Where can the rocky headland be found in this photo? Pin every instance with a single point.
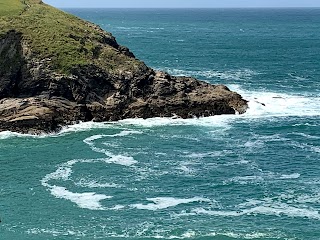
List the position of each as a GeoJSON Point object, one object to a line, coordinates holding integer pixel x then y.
{"type": "Point", "coordinates": [56, 70]}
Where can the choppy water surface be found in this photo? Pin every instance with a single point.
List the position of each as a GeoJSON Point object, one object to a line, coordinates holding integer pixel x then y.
{"type": "Point", "coordinates": [253, 176]}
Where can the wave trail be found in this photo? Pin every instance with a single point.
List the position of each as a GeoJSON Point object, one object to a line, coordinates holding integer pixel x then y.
{"type": "Point", "coordinates": [88, 200]}
{"type": "Point", "coordinates": [166, 202]}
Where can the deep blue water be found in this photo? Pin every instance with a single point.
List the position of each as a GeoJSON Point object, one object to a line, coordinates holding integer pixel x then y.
{"type": "Point", "coordinates": [254, 176]}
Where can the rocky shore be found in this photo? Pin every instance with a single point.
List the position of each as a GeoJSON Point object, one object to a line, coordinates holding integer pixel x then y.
{"type": "Point", "coordinates": [102, 81]}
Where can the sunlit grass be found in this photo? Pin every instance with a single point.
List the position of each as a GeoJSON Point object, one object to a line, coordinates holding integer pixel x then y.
{"type": "Point", "coordinates": [11, 7]}
{"type": "Point", "coordinates": [65, 39]}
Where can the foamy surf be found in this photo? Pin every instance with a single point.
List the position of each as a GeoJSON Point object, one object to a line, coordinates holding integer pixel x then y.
{"type": "Point", "coordinates": [264, 104]}
{"type": "Point", "coordinates": [221, 121]}
{"type": "Point", "coordinates": [116, 159]}
{"type": "Point", "coordinates": [290, 176]}
{"type": "Point", "coordinates": [88, 200]}
{"type": "Point", "coordinates": [162, 234]}
{"type": "Point", "coordinates": [85, 126]}
{"type": "Point", "coordinates": [166, 202]}
{"type": "Point", "coordinates": [267, 207]}
{"type": "Point", "coordinates": [8, 134]}
{"type": "Point", "coordinates": [122, 160]}
{"type": "Point", "coordinates": [74, 128]}
{"type": "Point", "coordinates": [262, 177]}
{"type": "Point", "coordinates": [92, 200]}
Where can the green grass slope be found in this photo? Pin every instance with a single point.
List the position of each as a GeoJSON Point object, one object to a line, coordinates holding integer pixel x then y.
{"type": "Point", "coordinates": [11, 7]}
{"type": "Point", "coordinates": [65, 39]}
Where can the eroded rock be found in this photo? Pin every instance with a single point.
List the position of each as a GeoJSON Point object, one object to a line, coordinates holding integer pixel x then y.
{"type": "Point", "coordinates": [36, 97]}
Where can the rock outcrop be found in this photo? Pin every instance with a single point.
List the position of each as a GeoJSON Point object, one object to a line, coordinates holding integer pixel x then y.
{"type": "Point", "coordinates": [38, 94]}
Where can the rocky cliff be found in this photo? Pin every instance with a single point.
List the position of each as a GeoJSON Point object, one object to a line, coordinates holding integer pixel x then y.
{"type": "Point", "coordinates": [56, 69]}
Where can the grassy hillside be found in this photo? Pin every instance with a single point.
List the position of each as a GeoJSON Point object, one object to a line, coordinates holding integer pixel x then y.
{"type": "Point", "coordinates": [65, 39]}
{"type": "Point", "coordinates": [11, 7]}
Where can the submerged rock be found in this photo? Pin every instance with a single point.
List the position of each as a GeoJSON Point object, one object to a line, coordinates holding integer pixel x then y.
{"type": "Point", "coordinates": [88, 76]}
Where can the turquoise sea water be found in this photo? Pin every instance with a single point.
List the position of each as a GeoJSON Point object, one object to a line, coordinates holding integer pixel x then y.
{"type": "Point", "coordinates": [254, 176]}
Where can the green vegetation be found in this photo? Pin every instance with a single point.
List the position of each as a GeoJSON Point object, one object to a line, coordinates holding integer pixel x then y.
{"type": "Point", "coordinates": [65, 39]}
{"type": "Point", "coordinates": [11, 7]}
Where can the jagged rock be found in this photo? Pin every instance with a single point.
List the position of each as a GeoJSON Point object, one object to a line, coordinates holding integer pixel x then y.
{"type": "Point", "coordinates": [37, 95]}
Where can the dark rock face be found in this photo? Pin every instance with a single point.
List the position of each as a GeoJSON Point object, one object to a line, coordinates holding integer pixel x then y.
{"type": "Point", "coordinates": [11, 63]}
{"type": "Point", "coordinates": [34, 98]}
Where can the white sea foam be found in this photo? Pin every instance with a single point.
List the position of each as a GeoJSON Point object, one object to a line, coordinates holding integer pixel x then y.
{"type": "Point", "coordinates": [166, 202]}
{"type": "Point", "coordinates": [290, 176]}
{"type": "Point", "coordinates": [85, 126]}
{"type": "Point", "coordinates": [234, 235]}
{"type": "Point", "coordinates": [159, 234]}
{"type": "Point", "coordinates": [55, 232]}
{"type": "Point", "coordinates": [79, 127]}
{"type": "Point", "coordinates": [254, 144]}
{"type": "Point", "coordinates": [90, 139]}
{"type": "Point", "coordinates": [261, 177]}
{"type": "Point", "coordinates": [304, 124]}
{"type": "Point", "coordinates": [189, 234]}
{"type": "Point", "coordinates": [121, 160]}
{"type": "Point", "coordinates": [261, 207]}
{"type": "Point", "coordinates": [186, 169]}
{"type": "Point", "coordinates": [277, 210]}
{"type": "Point", "coordinates": [253, 235]}
{"type": "Point", "coordinates": [116, 159]}
{"type": "Point", "coordinates": [96, 184]}
{"type": "Point", "coordinates": [213, 121]}
{"type": "Point", "coordinates": [7, 135]}
{"type": "Point", "coordinates": [224, 75]}
{"type": "Point", "coordinates": [284, 209]}
{"type": "Point", "coordinates": [245, 179]}
{"type": "Point", "coordinates": [117, 207]}
{"type": "Point", "coordinates": [125, 133]}
{"type": "Point", "coordinates": [272, 104]}
{"type": "Point", "coordinates": [315, 149]}
{"type": "Point", "coordinates": [261, 104]}
{"type": "Point", "coordinates": [89, 200]}
{"type": "Point", "coordinates": [207, 154]}
{"type": "Point", "coordinates": [62, 173]}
